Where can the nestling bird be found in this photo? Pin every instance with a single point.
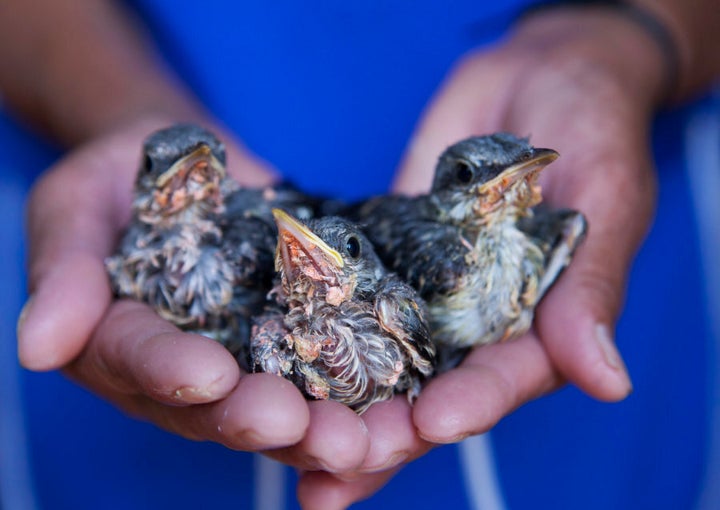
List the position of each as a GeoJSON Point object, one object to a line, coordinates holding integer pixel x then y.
{"type": "Point", "coordinates": [342, 327]}
{"type": "Point", "coordinates": [199, 248]}
{"type": "Point", "coordinates": [478, 248]}
{"type": "Point", "coordinates": [249, 242]}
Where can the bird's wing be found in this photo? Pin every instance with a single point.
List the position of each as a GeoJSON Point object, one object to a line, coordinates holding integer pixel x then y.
{"type": "Point", "coordinates": [259, 202]}
{"type": "Point", "coordinates": [249, 243]}
{"type": "Point", "coordinates": [269, 350]}
{"type": "Point", "coordinates": [381, 218]}
{"type": "Point", "coordinates": [557, 233]}
{"type": "Point", "coordinates": [402, 314]}
{"type": "Point", "coordinates": [409, 239]}
{"type": "Point", "coordinates": [432, 257]}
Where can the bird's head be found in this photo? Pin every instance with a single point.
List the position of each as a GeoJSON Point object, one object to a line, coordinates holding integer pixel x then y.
{"type": "Point", "coordinates": [329, 257]}
{"type": "Point", "coordinates": [181, 165]}
{"type": "Point", "coordinates": [485, 174]}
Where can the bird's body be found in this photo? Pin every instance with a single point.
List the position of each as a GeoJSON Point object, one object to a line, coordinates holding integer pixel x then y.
{"type": "Point", "coordinates": [171, 255]}
{"type": "Point", "coordinates": [199, 248]}
{"type": "Point", "coordinates": [250, 238]}
{"type": "Point", "coordinates": [343, 327]}
{"type": "Point", "coordinates": [475, 247]}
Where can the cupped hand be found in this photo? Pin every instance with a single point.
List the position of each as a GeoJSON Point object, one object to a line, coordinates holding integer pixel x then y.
{"type": "Point", "coordinates": [584, 82]}
{"type": "Point", "coordinates": [124, 352]}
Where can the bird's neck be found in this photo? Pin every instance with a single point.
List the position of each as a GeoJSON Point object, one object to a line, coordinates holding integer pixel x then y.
{"type": "Point", "coordinates": [194, 212]}
{"type": "Point", "coordinates": [310, 293]}
{"type": "Point", "coordinates": [465, 214]}
{"type": "Point", "coordinates": [485, 210]}
{"type": "Point", "coordinates": [495, 229]}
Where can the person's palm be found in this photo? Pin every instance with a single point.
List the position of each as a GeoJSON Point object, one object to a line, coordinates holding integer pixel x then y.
{"type": "Point", "coordinates": [555, 88]}
{"type": "Point", "coordinates": [123, 351]}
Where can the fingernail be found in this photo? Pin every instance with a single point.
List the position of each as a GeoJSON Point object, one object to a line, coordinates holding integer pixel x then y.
{"type": "Point", "coordinates": [320, 465]}
{"type": "Point", "coordinates": [348, 477]}
{"type": "Point", "coordinates": [607, 345]}
{"type": "Point", "coordinates": [445, 440]}
{"type": "Point", "coordinates": [199, 395]}
{"type": "Point", "coordinates": [394, 460]}
{"type": "Point", "coordinates": [189, 394]}
{"type": "Point", "coordinates": [612, 357]}
{"type": "Point", "coordinates": [245, 439]}
{"type": "Point", "coordinates": [22, 317]}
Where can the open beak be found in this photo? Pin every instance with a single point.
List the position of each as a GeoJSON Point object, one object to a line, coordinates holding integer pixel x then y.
{"type": "Point", "coordinates": [524, 170]}
{"type": "Point", "coordinates": [301, 251]}
{"type": "Point", "coordinates": [201, 158]}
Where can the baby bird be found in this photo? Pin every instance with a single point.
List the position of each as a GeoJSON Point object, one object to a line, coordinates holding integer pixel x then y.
{"type": "Point", "coordinates": [477, 247]}
{"type": "Point", "coordinates": [171, 255]}
{"type": "Point", "coordinates": [341, 327]}
{"type": "Point", "coordinates": [199, 248]}
{"type": "Point", "coordinates": [250, 238]}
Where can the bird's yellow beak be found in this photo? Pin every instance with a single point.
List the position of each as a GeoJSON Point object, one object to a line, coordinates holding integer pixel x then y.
{"type": "Point", "coordinates": [527, 169]}
{"type": "Point", "coordinates": [299, 248]}
{"type": "Point", "coordinates": [200, 158]}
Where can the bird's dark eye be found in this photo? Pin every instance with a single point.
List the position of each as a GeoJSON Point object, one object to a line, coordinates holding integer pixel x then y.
{"type": "Point", "coordinates": [526, 156]}
{"type": "Point", "coordinates": [352, 247]}
{"type": "Point", "coordinates": [147, 164]}
{"type": "Point", "coordinates": [464, 172]}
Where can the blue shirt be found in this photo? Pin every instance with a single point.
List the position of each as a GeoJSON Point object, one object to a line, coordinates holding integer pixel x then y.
{"type": "Point", "coordinates": [329, 94]}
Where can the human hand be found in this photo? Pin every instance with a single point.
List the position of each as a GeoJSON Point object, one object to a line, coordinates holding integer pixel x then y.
{"type": "Point", "coordinates": [584, 82]}
{"type": "Point", "coordinates": [125, 352]}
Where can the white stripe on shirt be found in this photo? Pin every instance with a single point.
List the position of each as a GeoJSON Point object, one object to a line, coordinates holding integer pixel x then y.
{"type": "Point", "coordinates": [479, 473]}
{"type": "Point", "coordinates": [702, 145]}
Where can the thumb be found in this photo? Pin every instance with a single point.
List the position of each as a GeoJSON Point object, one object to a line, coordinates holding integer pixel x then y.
{"type": "Point", "coordinates": [70, 231]}
{"type": "Point", "coordinates": [75, 214]}
{"type": "Point", "coordinates": [576, 319]}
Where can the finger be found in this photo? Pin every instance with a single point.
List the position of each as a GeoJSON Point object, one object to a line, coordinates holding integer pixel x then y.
{"type": "Point", "coordinates": [576, 319]}
{"type": "Point", "coordinates": [134, 350]}
{"type": "Point", "coordinates": [388, 438]}
{"type": "Point", "coordinates": [394, 438]}
{"type": "Point", "coordinates": [71, 226]}
{"type": "Point", "coordinates": [146, 366]}
{"type": "Point", "coordinates": [262, 412]}
{"type": "Point", "coordinates": [323, 491]}
{"type": "Point", "coordinates": [490, 382]}
{"type": "Point", "coordinates": [186, 383]}
{"type": "Point", "coordinates": [336, 441]}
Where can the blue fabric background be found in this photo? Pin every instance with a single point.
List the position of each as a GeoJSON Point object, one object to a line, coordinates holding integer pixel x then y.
{"type": "Point", "coordinates": [329, 93]}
